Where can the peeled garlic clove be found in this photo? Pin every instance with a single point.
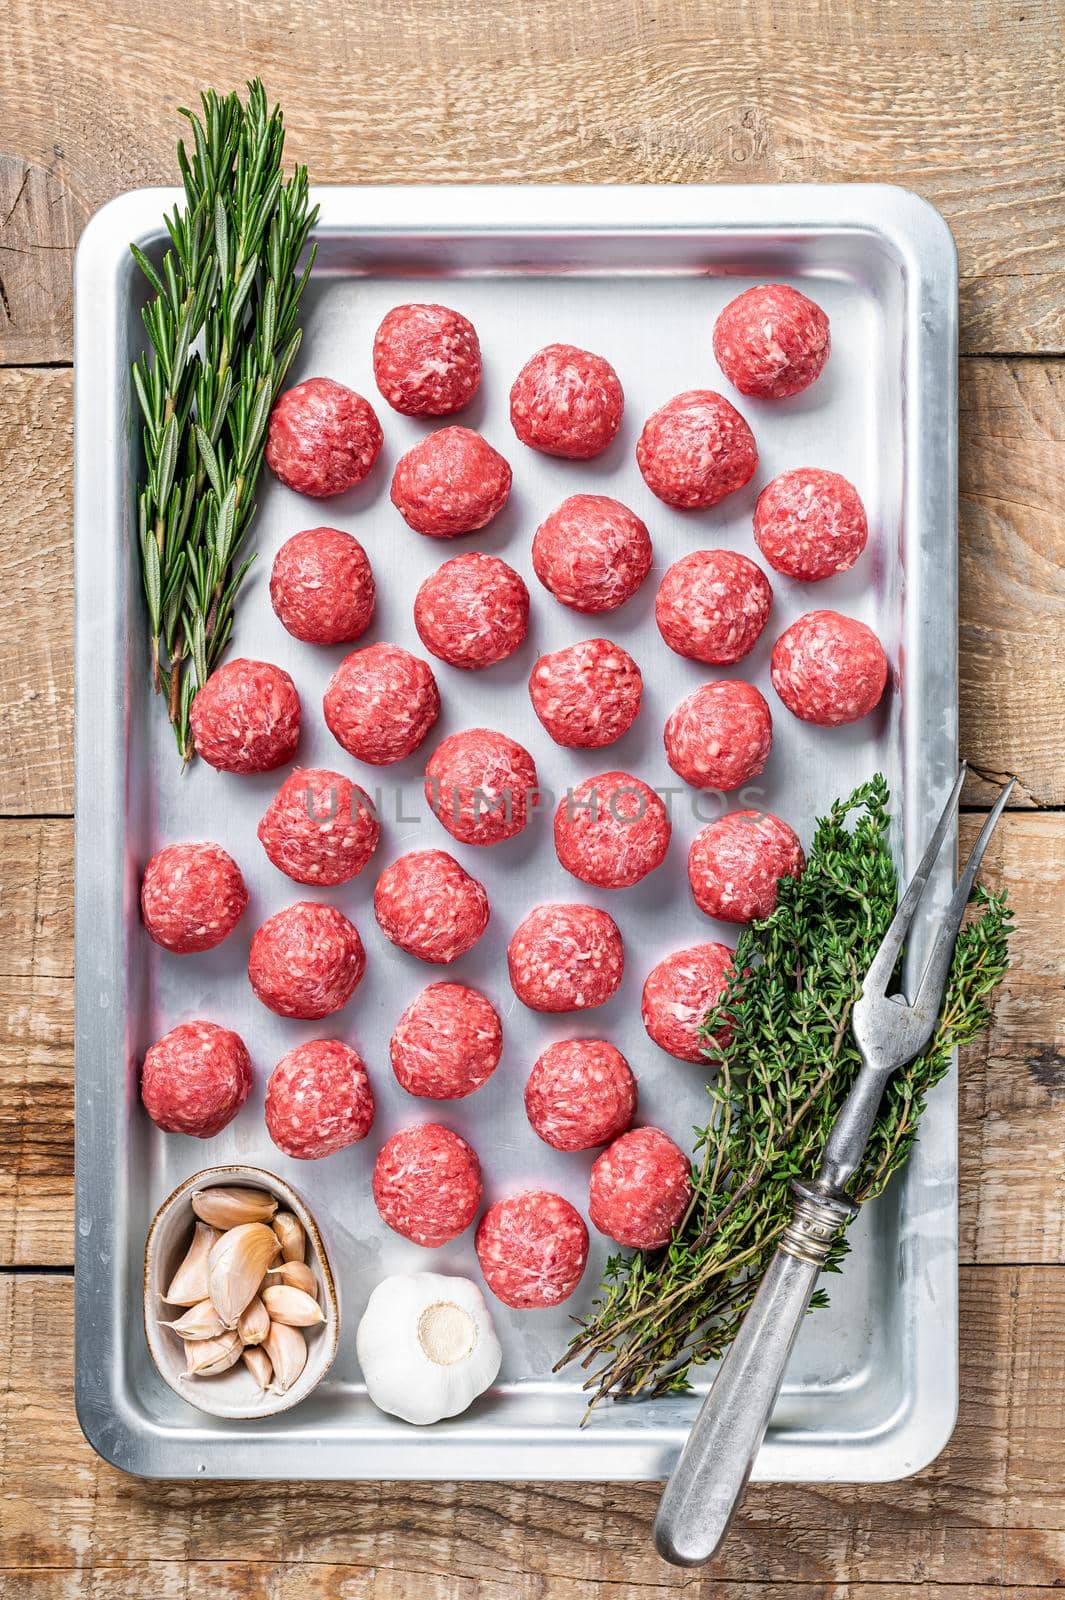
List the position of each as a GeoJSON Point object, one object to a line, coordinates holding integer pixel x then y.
{"type": "Point", "coordinates": [199, 1322]}
{"type": "Point", "coordinates": [258, 1364]}
{"type": "Point", "coordinates": [228, 1208]}
{"type": "Point", "coordinates": [287, 1349]}
{"type": "Point", "coordinates": [292, 1306]}
{"type": "Point", "coordinates": [206, 1358]}
{"type": "Point", "coordinates": [298, 1274]}
{"type": "Point", "coordinates": [236, 1267]}
{"type": "Point", "coordinates": [253, 1324]}
{"type": "Point", "coordinates": [188, 1286]}
{"type": "Point", "coordinates": [290, 1232]}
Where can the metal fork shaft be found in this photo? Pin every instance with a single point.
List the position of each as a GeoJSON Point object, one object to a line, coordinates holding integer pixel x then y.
{"type": "Point", "coordinates": [708, 1481]}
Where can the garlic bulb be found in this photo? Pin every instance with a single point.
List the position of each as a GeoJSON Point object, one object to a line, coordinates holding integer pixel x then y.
{"type": "Point", "coordinates": [427, 1346]}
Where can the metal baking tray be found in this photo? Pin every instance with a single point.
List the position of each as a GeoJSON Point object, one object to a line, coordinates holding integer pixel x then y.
{"type": "Point", "coordinates": [639, 274]}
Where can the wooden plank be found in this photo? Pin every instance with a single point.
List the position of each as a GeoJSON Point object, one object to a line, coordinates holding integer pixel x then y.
{"type": "Point", "coordinates": [1012, 584]}
{"type": "Point", "coordinates": [691, 92]}
{"type": "Point", "coordinates": [40, 220]}
{"type": "Point", "coordinates": [36, 593]}
{"type": "Point", "coordinates": [1012, 1082]}
{"type": "Point", "coordinates": [989, 1513]}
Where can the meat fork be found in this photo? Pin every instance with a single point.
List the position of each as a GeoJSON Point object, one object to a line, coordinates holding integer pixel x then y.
{"type": "Point", "coordinates": [710, 1478]}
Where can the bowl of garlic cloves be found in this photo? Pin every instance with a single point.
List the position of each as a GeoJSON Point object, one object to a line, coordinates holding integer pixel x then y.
{"type": "Point", "coordinates": [240, 1307]}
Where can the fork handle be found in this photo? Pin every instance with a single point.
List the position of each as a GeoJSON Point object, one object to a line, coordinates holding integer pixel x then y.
{"type": "Point", "coordinates": [708, 1481]}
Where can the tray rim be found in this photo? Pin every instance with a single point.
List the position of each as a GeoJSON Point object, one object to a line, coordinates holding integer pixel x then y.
{"type": "Point", "coordinates": [921, 241]}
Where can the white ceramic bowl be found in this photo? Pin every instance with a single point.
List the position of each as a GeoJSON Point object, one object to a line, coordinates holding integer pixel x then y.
{"type": "Point", "coordinates": [234, 1393]}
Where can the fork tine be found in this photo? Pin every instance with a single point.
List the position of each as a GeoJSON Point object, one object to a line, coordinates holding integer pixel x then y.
{"type": "Point", "coordinates": [934, 980]}
{"type": "Point", "coordinates": [883, 963]}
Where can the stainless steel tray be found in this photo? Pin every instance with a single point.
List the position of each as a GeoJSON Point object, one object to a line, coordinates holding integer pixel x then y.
{"type": "Point", "coordinates": [639, 274]}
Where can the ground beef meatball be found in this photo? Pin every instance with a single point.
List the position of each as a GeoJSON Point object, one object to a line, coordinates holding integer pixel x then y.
{"type": "Point", "coordinates": [810, 524]}
{"type": "Point", "coordinates": [192, 897]}
{"type": "Point", "coordinates": [587, 694]}
{"type": "Point", "coordinates": [320, 827]}
{"type": "Point", "coordinates": [380, 703]}
{"type": "Point", "coordinates": [829, 669]}
{"type": "Point", "coordinates": [318, 1100]}
{"type": "Point", "coordinates": [447, 1043]}
{"type": "Point", "coordinates": [566, 958]}
{"type": "Point", "coordinates": [712, 606]}
{"type": "Point", "coordinates": [533, 1249]}
{"type": "Point", "coordinates": [246, 718]}
{"type": "Point", "coordinates": [306, 961]}
{"type": "Point", "coordinates": [639, 1189]}
{"type": "Point", "coordinates": [735, 862]}
{"type": "Point", "coordinates": [612, 830]}
{"type": "Point", "coordinates": [581, 1093]}
{"type": "Point", "coordinates": [427, 1184]}
{"type": "Point", "coordinates": [593, 553]}
{"type": "Point", "coordinates": [451, 482]}
{"type": "Point", "coordinates": [771, 341]}
{"type": "Point", "coordinates": [473, 611]}
{"type": "Point", "coordinates": [321, 587]}
{"type": "Point", "coordinates": [428, 905]}
{"type": "Point", "coordinates": [679, 993]}
{"type": "Point", "coordinates": [566, 402]}
{"type": "Point", "coordinates": [426, 360]}
{"type": "Point", "coordinates": [195, 1079]}
{"type": "Point", "coordinates": [695, 450]}
{"type": "Point", "coordinates": [322, 438]}
{"type": "Point", "coordinates": [481, 785]}
{"type": "Point", "coordinates": [720, 736]}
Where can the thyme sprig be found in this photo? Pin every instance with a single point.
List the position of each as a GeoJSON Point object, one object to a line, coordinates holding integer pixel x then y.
{"type": "Point", "coordinates": [222, 332]}
{"type": "Point", "coordinates": [778, 1086]}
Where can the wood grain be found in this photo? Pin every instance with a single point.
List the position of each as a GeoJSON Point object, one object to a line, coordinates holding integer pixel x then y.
{"type": "Point", "coordinates": [625, 91]}
{"type": "Point", "coordinates": [1012, 1081]}
{"type": "Point", "coordinates": [39, 226]}
{"type": "Point", "coordinates": [988, 1514]}
{"type": "Point", "coordinates": [1012, 631]}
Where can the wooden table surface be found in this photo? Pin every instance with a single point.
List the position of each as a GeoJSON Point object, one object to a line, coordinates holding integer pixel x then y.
{"type": "Point", "coordinates": [960, 100]}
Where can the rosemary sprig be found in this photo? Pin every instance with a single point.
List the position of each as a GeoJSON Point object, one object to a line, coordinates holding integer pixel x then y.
{"type": "Point", "coordinates": [779, 1085]}
{"type": "Point", "coordinates": [222, 332]}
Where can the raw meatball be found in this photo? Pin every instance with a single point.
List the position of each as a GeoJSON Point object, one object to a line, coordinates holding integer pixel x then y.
{"type": "Point", "coordinates": [428, 905]}
{"type": "Point", "coordinates": [473, 611]}
{"type": "Point", "coordinates": [734, 864]}
{"type": "Point", "coordinates": [447, 1042]}
{"type": "Point", "coordinates": [810, 524]}
{"type": "Point", "coordinates": [306, 961]}
{"type": "Point", "coordinates": [451, 482]}
{"type": "Point", "coordinates": [678, 995]}
{"type": "Point", "coordinates": [427, 1184]}
{"type": "Point", "coordinates": [593, 553]}
{"type": "Point", "coordinates": [322, 588]}
{"type": "Point", "coordinates": [588, 694]}
{"type": "Point", "coordinates": [566, 402]}
{"type": "Point", "coordinates": [639, 1189]}
{"type": "Point", "coordinates": [566, 958]}
{"type": "Point", "coordinates": [320, 827]}
{"type": "Point", "coordinates": [246, 718]}
{"type": "Point", "coordinates": [322, 438]}
{"type": "Point", "coordinates": [533, 1249]}
{"type": "Point", "coordinates": [195, 1079]}
{"type": "Point", "coordinates": [380, 703]}
{"type": "Point", "coordinates": [580, 1093]}
{"type": "Point", "coordinates": [771, 341]}
{"type": "Point", "coordinates": [426, 360]}
{"type": "Point", "coordinates": [318, 1100]}
{"type": "Point", "coordinates": [712, 606]}
{"type": "Point", "coordinates": [829, 669]}
{"type": "Point", "coordinates": [481, 785]}
{"type": "Point", "coordinates": [612, 830]}
{"type": "Point", "coordinates": [695, 450]}
{"type": "Point", "coordinates": [192, 897]}
{"type": "Point", "coordinates": [720, 736]}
